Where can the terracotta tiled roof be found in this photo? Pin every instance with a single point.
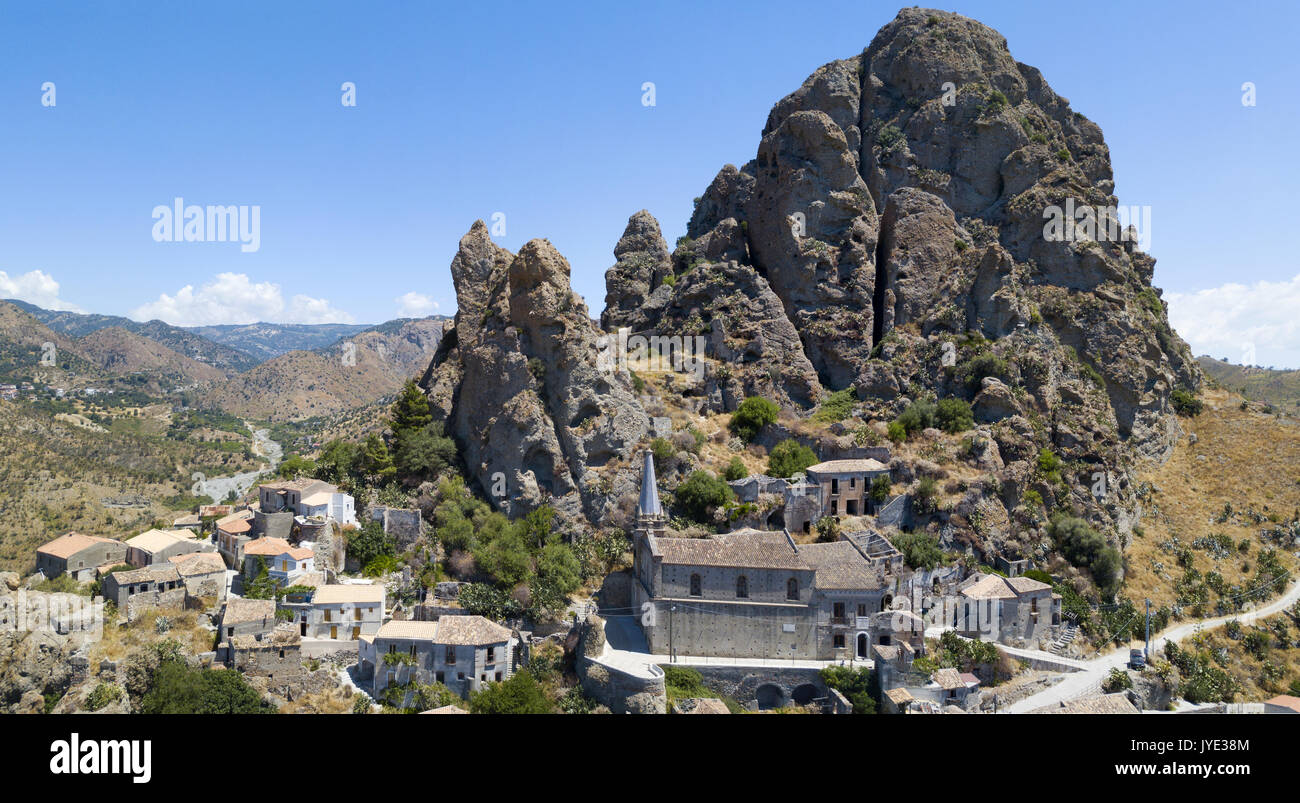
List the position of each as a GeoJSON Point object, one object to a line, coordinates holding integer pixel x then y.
{"type": "Point", "coordinates": [991, 586]}
{"type": "Point", "coordinates": [899, 696]}
{"type": "Point", "coordinates": [840, 565]}
{"type": "Point", "coordinates": [750, 549]}
{"type": "Point", "coordinates": [1117, 703]}
{"type": "Point", "coordinates": [1285, 701]}
{"type": "Point", "coordinates": [274, 547]}
{"type": "Point", "coordinates": [453, 630]}
{"type": "Point", "coordinates": [197, 563]}
{"type": "Point", "coordinates": [65, 546]}
{"type": "Point", "coordinates": [241, 610]}
{"type": "Point", "coordinates": [349, 593]}
{"type": "Point", "coordinates": [847, 466]}
{"type": "Point", "coordinates": [160, 572]}
{"type": "Point", "coordinates": [157, 540]}
{"type": "Point", "coordinates": [236, 526]}
{"type": "Point", "coordinates": [948, 679]}
{"type": "Point", "coordinates": [408, 629]}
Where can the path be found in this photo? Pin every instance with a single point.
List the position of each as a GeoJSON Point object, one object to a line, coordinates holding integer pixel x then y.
{"type": "Point", "coordinates": [1094, 671]}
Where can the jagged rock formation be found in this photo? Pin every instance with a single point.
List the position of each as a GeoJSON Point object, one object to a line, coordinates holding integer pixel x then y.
{"type": "Point", "coordinates": [895, 210]}
{"type": "Point", "coordinates": [518, 382]}
{"type": "Point", "coordinates": [888, 237]}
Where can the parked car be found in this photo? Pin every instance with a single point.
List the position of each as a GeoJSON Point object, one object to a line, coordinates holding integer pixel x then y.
{"type": "Point", "coordinates": [1136, 659]}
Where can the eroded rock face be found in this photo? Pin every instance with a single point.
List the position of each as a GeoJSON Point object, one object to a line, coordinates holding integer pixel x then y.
{"type": "Point", "coordinates": [520, 387]}
{"type": "Point", "coordinates": [643, 262]}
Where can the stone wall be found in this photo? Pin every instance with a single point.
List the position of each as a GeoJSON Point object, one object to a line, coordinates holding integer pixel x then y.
{"type": "Point", "coordinates": [743, 683]}
{"type": "Point", "coordinates": [622, 692]}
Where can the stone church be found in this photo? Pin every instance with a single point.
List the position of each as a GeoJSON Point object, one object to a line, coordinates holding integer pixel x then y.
{"type": "Point", "coordinates": [754, 593]}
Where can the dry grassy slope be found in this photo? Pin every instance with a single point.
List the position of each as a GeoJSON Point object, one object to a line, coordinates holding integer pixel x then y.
{"type": "Point", "coordinates": [22, 340]}
{"type": "Point", "coordinates": [1242, 457]}
{"type": "Point", "coordinates": [1247, 668]}
{"type": "Point", "coordinates": [54, 474]}
{"type": "Point", "coordinates": [115, 350]}
{"type": "Point", "coordinates": [1281, 388]}
{"type": "Point", "coordinates": [304, 384]}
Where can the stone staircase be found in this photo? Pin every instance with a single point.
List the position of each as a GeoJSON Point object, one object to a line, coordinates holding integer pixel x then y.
{"type": "Point", "coordinates": [1064, 640]}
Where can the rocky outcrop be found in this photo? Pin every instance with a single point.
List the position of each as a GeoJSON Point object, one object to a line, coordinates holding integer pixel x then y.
{"type": "Point", "coordinates": [520, 388]}
{"type": "Point", "coordinates": [643, 262]}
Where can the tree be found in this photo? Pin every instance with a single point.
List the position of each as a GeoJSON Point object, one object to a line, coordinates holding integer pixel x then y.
{"type": "Point", "coordinates": [411, 410]}
{"type": "Point", "coordinates": [701, 491]}
{"type": "Point", "coordinates": [920, 550]}
{"type": "Point", "coordinates": [919, 415]}
{"type": "Point", "coordinates": [954, 415]}
{"type": "Point", "coordinates": [178, 689]}
{"type": "Point", "coordinates": [880, 488]}
{"type": "Point", "coordinates": [504, 554]}
{"type": "Point", "coordinates": [1084, 547]}
{"type": "Point", "coordinates": [375, 460]}
{"type": "Point", "coordinates": [296, 466]}
{"type": "Point", "coordinates": [339, 461]}
{"type": "Point", "coordinates": [369, 542]}
{"type": "Point", "coordinates": [789, 457]}
{"type": "Point", "coordinates": [735, 470]}
{"type": "Point", "coordinates": [753, 414]}
{"type": "Point", "coordinates": [423, 452]}
{"type": "Point", "coordinates": [857, 686]}
{"type": "Point", "coordinates": [520, 694]}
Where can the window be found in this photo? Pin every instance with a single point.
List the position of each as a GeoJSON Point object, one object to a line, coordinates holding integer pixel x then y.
{"type": "Point", "coordinates": [792, 589]}
{"type": "Point", "coordinates": [837, 641]}
{"type": "Point", "coordinates": [853, 482]}
{"type": "Point", "coordinates": [357, 612]}
{"type": "Point", "coordinates": [835, 486]}
{"type": "Point", "coordinates": [862, 609]}
{"type": "Point", "coordinates": [835, 507]}
{"type": "Point", "coordinates": [742, 587]}
{"type": "Point", "coordinates": [491, 655]}
{"type": "Point", "coordinates": [837, 612]}
{"type": "Point", "coordinates": [450, 656]}
{"type": "Point", "coordinates": [327, 615]}
{"type": "Point", "coordinates": [696, 590]}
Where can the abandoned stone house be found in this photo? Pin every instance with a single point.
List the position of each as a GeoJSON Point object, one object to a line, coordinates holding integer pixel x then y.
{"type": "Point", "coordinates": [247, 617]}
{"type": "Point", "coordinates": [1012, 610]}
{"type": "Point", "coordinates": [276, 656]}
{"type": "Point", "coordinates": [834, 488]}
{"type": "Point", "coordinates": [203, 573]}
{"type": "Point", "coordinates": [233, 533]}
{"type": "Point", "coordinates": [79, 556]}
{"type": "Point", "coordinates": [157, 546]}
{"type": "Point", "coordinates": [753, 593]}
{"type": "Point", "coordinates": [149, 587]}
{"type": "Point", "coordinates": [461, 652]}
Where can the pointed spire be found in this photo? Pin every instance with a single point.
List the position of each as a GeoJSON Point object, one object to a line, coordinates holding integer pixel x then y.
{"type": "Point", "coordinates": [649, 506]}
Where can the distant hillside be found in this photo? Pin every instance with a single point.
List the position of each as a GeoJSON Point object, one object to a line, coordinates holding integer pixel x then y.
{"type": "Point", "coordinates": [24, 353]}
{"type": "Point", "coordinates": [1281, 388]}
{"type": "Point", "coordinates": [182, 341]}
{"type": "Point", "coordinates": [118, 351]}
{"type": "Point", "coordinates": [333, 380]}
{"type": "Point", "coordinates": [268, 340]}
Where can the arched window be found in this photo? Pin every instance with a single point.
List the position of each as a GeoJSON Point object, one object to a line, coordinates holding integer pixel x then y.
{"type": "Point", "coordinates": [695, 586]}
{"type": "Point", "coordinates": [792, 588]}
{"type": "Point", "coordinates": [742, 587]}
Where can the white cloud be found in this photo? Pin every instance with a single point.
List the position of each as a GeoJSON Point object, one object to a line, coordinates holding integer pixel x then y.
{"type": "Point", "coordinates": [233, 298]}
{"type": "Point", "coordinates": [35, 287]}
{"type": "Point", "coordinates": [415, 305]}
{"type": "Point", "coordinates": [1233, 320]}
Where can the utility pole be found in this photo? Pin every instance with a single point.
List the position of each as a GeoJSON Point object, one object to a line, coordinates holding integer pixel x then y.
{"type": "Point", "coordinates": [672, 653]}
{"type": "Point", "coordinates": [1146, 647]}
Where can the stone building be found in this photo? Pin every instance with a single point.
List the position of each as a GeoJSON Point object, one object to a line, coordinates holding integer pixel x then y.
{"type": "Point", "coordinates": [157, 546]}
{"type": "Point", "coordinates": [341, 612]}
{"type": "Point", "coordinates": [276, 656]}
{"type": "Point", "coordinates": [461, 652]}
{"type": "Point", "coordinates": [78, 556]}
{"type": "Point", "coordinates": [308, 498]}
{"type": "Point", "coordinates": [1012, 610]}
{"type": "Point", "coordinates": [284, 562]}
{"type": "Point", "coordinates": [247, 617]}
{"type": "Point", "coordinates": [835, 488]}
{"type": "Point", "coordinates": [751, 593]}
{"type": "Point", "coordinates": [149, 587]}
{"type": "Point", "coordinates": [204, 575]}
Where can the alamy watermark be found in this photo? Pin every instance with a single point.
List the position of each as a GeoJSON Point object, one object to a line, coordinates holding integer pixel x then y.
{"type": "Point", "coordinates": [52, 613]}
{"type": "Point", "coordinates": [209, 224]}
{"type": "Point", "coordinates": [654, 354]}
{"type": "Point", "coordinates": [1083, 223]}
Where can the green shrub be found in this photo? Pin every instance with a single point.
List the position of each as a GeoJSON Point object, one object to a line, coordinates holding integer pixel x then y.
{"type": "Point", "coordinates": [1084, 547]}
{"type": "Point", "coordinates": [1117, 680]}
{"type": "Point", "coordinates": [880, 488]}
{"type": "Point", "coordinates": [897, 432]}
{"type": "Point", "coordinates": [103, 694]}
{"type": "Point", "coordinates": [920, 550]}
{"type": "Point", "coordinates": [919, 415]}
{"type": "Point", "coordinates": [954, 415]}
{"type": "Point", "coordinates": [1186, 404]}
{"type": "Point", "coordinates": [735, 470]}
{"type": "Point", "coordinates": [789, 457]}
{"type": "Point", "coordinates": [663, 451]}
{"type": "Point", "coordinates": [836, 407]}
{"type": "Point", "coordinates": [753, 414]}
{"type": "Point", "coordinates": [701, 491]}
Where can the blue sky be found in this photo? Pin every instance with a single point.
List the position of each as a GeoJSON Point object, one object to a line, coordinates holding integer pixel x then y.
{"type": "Point", "coordinates": [534, 110]}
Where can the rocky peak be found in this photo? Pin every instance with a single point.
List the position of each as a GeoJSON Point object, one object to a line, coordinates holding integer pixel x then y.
{"type": "Point", "coordinates": [643, 262]}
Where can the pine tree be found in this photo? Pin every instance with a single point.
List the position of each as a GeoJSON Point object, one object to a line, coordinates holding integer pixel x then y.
{"type": "Point", "coordinates": [411, 410]}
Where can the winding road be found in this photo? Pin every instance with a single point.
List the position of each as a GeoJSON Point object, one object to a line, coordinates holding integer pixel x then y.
{"type": "Point", "coordinates": [1088, 680]}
